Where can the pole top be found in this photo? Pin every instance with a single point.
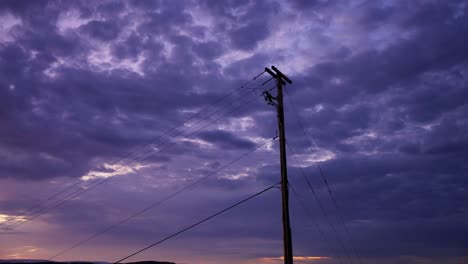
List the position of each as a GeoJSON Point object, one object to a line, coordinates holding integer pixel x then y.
{"type": "Point", "coordinates": [270, 72]}
{"type": "Point", "coordinates": [280, 74]}
{"type": "Point", "coordinates": [274, 75]}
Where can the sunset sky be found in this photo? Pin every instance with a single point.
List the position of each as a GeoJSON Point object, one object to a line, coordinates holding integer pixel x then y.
{"type": "Point", "coordinates": [112, 106]}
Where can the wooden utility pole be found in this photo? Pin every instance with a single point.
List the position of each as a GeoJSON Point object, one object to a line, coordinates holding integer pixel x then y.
{"type": "Point", "coordinates": [278, 103]}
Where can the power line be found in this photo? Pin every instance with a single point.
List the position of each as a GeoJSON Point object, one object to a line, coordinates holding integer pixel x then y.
{"type": "Point", "coordinates": [335, 203]}
{"type": "Point", "coordinates": [317, 226]}
{"type": "Point", "coordinates": [153, 141]}
{"type": "Point", "coordinates": [160, 201]}
{"type": "Point", "coordinates": [17, 217]}
{"type": "Point", "coordinates": [98, 181]}
{"type": "Point", "coordinates": [253, 79]}
{"type": "Point", "coordinates": [198, 122]}
{"type": "Point", "coordinates": [319, 203]}
{"type": "Point", "coordinates": [197, 223]}
{"type": "Point", "coordinates": [135, 150]}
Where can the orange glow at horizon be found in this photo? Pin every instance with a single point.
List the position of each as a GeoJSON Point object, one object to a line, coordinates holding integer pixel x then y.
{"type": "Point", "coordinates": [297, 258]}
{"type": "Point", "coordinates": [22, 252]}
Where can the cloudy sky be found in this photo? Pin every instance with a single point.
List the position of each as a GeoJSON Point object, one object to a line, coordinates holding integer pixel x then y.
{"type": "Point", "coordinates": [109, 107]}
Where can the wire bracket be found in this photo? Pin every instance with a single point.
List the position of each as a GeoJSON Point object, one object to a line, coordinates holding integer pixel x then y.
{"type": "Point", "coordinates": [270, 99]}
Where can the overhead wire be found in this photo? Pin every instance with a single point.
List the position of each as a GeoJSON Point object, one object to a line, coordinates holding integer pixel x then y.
{"type": "Point", "coordinates": [198, 122]}
{"type": "Point", "coordinates": [322, 174]}
{"type": "Point", "coordinates": [87, 188]}
{"type": "Point", "coordinates": [253, 79]}
{"type": "Point", "coordinates": [152, 141]}
{"type": "Point", "coordinates": [316, 224]}
{"type": "Point", "coordinates": [98, 181]}
{"type": "Point", "coordinates": [159, 202]}
{"type": "Point", "coordinates": [322, 209]}
{"type": "Point", "coordinates": [330, 223]}
{"type": "Point", "coordinates": [196, 224]}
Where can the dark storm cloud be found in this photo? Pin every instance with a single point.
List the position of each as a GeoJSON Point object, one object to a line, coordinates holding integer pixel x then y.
{"type": "Point", "coordinates": [132, 47]}
{"type": "Point", "coordinates": [226, 140]}
{"type": "Point", "coordinates": [409, 73]}
{"type": "Point", "coordinates": [247, 37]}
{"type": "Point", "coordinates": [208, 50]}
{"type": "Point", "coordinates": [20, 7]}
{"type": "Point", "coordinates": [84, 90]}
{"type": "Point", "coordinates": [241, 67]}
{"type": "Point", "coordinates": [241, 22]}
{"type": "Point", "coordinates": [301, 4]}
{"type": "Point", "coordinates": [164, 21]}
{"type": "Point", "coordinates": [434, 46]}
{"type": "Point", "coordinates": [102, 30]}
{"type": "Point", "coordinates": [112, 8]}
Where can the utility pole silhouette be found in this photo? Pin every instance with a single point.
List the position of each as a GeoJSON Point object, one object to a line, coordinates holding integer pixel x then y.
{"type": "Point", "coordinates": [278, 103]}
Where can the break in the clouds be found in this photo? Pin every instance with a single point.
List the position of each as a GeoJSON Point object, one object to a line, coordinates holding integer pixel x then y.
{"type": "Point", "coordinates": [90, 91]}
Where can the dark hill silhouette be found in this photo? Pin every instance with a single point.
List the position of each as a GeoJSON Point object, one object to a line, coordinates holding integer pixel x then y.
{"type": "Point", "coordinates": [76, 262]}
{"type": "Point", "coordinates": [150, 262]}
